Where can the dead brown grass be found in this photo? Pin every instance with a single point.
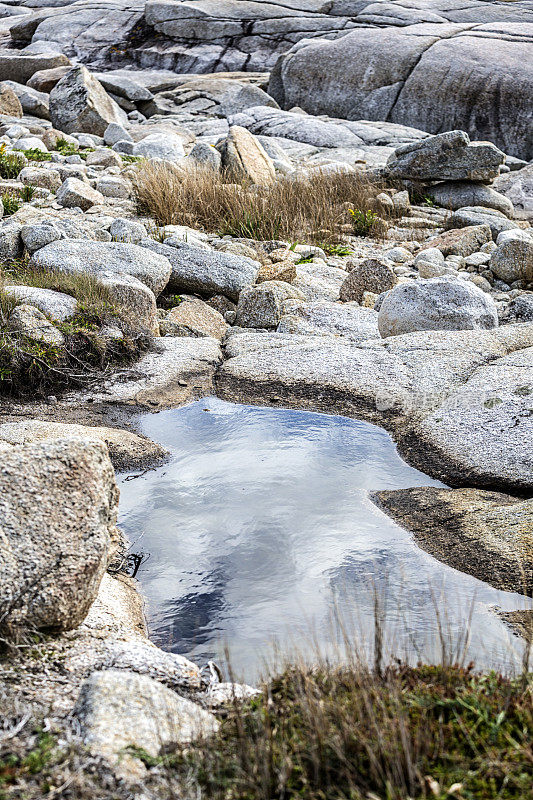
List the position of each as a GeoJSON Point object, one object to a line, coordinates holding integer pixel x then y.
{"type": "Point", "coordinates": [309, 209]}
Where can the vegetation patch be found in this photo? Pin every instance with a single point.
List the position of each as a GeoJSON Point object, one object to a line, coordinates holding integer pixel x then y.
{"type": "Point", "coordinates": [316, 208]}
{"type": "Point", "coordinates": [10, 163]}
{"type": "Point", "coordinates": [31, 367]}
{"type": "Point", "coordinates": [426, 732]}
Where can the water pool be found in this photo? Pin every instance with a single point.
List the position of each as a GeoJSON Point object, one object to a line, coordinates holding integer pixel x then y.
{"type": "Point", "coordinates": [260, 530]}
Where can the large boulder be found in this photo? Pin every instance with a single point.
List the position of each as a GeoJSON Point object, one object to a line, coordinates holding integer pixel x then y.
{"type": "Point", "coordinates": [205, 272]}
{"type": "Point", "coordinates": [461, 241]}
{"type": "Point", "coordinates": [478, 215]}
{"type": "Point", "coordinates": [445, 73]}
{"type": "Point", "coordinates": [31, 323]}
{"type": "Point", "coordinates": [244, 157]}
{"type": "Point", "coordinates": [449, 156]}
{"type": "Point", "coordinates": [79, 103]}
{"type": "Point", "coordinates": [81, 256]}
{"type": "Point", "coordinates": [32, 101]}
{"type": "Point", "coordinates": [513, 258]}
{"type": "Point", "coordinates": [443, 303]}
{"type": "Point", "coordinates": [58, 503]}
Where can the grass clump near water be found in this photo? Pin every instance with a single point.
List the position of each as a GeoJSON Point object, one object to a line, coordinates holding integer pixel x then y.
{"type": "Point", "coordinates": [314, 208]}
{"type": "Point", "coordinates": [332, 732]}
{"type": "Point", "coordinates": [31, 367]}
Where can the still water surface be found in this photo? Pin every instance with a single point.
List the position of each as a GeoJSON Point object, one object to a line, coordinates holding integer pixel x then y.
{"type": "Point", "coordinates": [260, 531]}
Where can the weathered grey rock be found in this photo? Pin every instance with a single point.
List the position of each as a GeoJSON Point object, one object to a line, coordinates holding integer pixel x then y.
{"type": "Point", "coordinates": [513, 258]}
{"type": "Point", "coordinates": [261, 306]}
{"type": "Point", "coordinates": [222, 694]}
{"type": "Point", "coordinates": [399, 382]}
{"type": "Point", "coordinates": [520, 309]}
{"type": "Point", "coordinates": [75, 193]}
{"type": "Point", "coordinates": [449, 63]}
{"type": "Point", "coordinates": [29, 143]}
{"type": "Point", "coordinates": [33, 102]}
{"type": "Point", "coordinates": [485, 428]}
{"type": "Point", "coordinates": [114, 186]}
{"type": "Point", "coordinates": [126, 450]}
{"type": "Point", "coordinates": [245, 159]}
{"type": "Point", "coordinates": [476, 215]}
{"type": "Point", "coordinates": [280, 271]}
{"type": "Point", "coordinates": [196, 270]}
{"type": "Point", "coordinates": [32, 323]}
{"type": "Point", "coordinates": [9, 103]}
{"type": "Point", "coordinates": [103, 157]}
{"type": "Point", "coordinates": [318, 281]}
{"type": "Point", "coordinates": [142, 657]}
{"type": "Point", "coordinates": [127, 230]}
{"type": "Point", "coordinates": [371, 275]}
{"type": "Point", "coordinates": [39, 234]}
{"type": "Point", "coordinates": [96, 258]}
{"type": "Point", "coordinates": [442, 303]}
{"type": "Point", "coordinates": [490, 531]}
{"type": "Point", "coordinates": [10, 240]}
{"type": "Point", "coordinates": [118, 709]}
{"type": "Point", "coordinates": [131, 294]}
{"type": "Point", "coordinates": [461, 242]}
{"type": "Point", "coordinates": [80, 103]}
{"type": "Point", "coordinates": [43, 178]}
{"type": "Point", "coordinates": [300, 128]}
{"type": "Point", "coordinates": [518, 188]}
{"type": "Point", "coordinates": [459, 194]}
{"type": "Point", "coordinates": [116, 133]}
{"type": "Point", "coordinates": [323, 318]}
{"type": "Point", "coordinates": [446, 157]}
{"type": "Point", "coordinates": [164, 146]}
{"type": "Point", "coordinates": [193, 317]}
{"type": "Point", "coordinates": [206, 156]}
{"type": "Point", "coordinates": [20, 67]}
{"type": "Point", "coordinates": [55, 305]}
{"type": "Point", "coordinates": [163, 377]}
{"type": "Point", "coordinates": [59, 506]}
{"type": "Point", "coordinates": [44, 80]}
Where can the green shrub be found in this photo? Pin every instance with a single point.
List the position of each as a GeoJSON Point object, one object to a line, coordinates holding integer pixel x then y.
{"type": "Point", "coordinates": [34, 154]}
{"type": "Point", "coordinates": [27, 192]}
{"type": "Point", "coordinates": [363, 221]}
{"type": "Point", "coordinates": [11, 203]}
{"type": "Point", "coordinates": [10, 163]}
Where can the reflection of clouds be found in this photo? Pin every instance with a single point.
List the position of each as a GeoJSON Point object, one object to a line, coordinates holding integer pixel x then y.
{"type": "Point", "coordinates": [262, 516]}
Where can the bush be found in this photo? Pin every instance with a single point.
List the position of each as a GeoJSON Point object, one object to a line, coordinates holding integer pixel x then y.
{"type": "Point", "coordinates": [313, 208]}
{"type": "Point", "coordinates": [10, 163]}
{"type": "Point", "coordinates": [11, 202]}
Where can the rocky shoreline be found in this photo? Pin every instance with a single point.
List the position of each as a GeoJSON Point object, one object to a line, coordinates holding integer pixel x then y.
{"type": "Point", "coordinates": [413, 310]}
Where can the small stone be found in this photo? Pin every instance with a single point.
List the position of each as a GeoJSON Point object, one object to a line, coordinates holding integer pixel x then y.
{"type": "Point", "coordinates": [371, 275]}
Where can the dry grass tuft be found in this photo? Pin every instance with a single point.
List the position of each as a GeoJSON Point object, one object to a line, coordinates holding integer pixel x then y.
{"type": "Point", "coordinates": [31, 367]}
{"type": "Point", "coordinates": [311, 209]}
